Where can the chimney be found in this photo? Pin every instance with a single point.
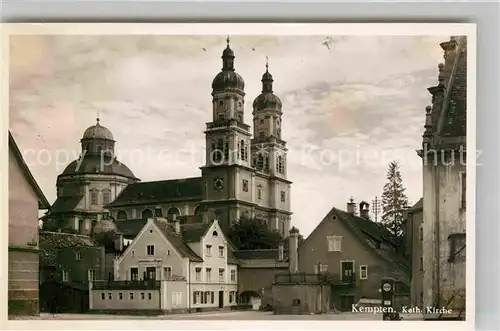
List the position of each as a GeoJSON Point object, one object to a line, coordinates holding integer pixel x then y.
{"type": "Point", "coordinates": [119, 242]}
{"type": "Point", "coordinates": [351, 206]}
{"type": "Point", "coordinates": [293, 250]}
{"type": "Point", "coordinates": [281, 252]}
{"type": "Point", "coordinates": [177, 225]}
{"type": "Point", "coordinates": [364, 209]}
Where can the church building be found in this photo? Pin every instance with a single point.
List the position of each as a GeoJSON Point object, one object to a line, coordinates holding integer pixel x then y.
{"type": "Point", "coordinates": [245, 173]}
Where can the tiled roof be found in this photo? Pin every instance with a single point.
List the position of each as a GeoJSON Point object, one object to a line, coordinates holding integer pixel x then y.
{"type": "Point", "coordinates": [177, 240]}
{"type": "Point", "coordinates": [454, 120]}
{"type": "Point", "coordinates": [130, 228]}
{"type": "Point", "coordinates": [194, 231]}
{"type": "Point", "coordinates": [160, 191]}
{"type": "Point", "coordinates": [50, 242]}
{"type": "Point", "coordinates": [43, 203]}
{"type": "Point", "coordinates": [66, 204]}
{"type": "Point", "coordinates": [371, 233]}
{"type": "Point", "coordinates": [92, 164]}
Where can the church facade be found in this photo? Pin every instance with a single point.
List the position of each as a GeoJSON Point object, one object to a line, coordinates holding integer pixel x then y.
{"type": "Point", "coordinates": [245, 173]}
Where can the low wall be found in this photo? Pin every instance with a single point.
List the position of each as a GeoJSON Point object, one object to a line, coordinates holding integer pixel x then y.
{"type": "Point", "coordinates": [299, 299]}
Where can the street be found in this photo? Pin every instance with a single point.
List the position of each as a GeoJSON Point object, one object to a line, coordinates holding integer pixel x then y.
{"type": "Point", "coordinates": [228, 316]}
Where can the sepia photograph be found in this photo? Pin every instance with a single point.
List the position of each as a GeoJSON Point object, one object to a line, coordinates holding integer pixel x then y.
{"type": "Point", "coordinates": [236, 172]}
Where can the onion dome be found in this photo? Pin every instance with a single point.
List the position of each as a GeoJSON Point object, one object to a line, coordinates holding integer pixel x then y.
{"type": "Point", "coordinates": [97, 131]}
{"type": "Point", "coordinates": [228, 78]}
{"type": "Point", "coordinates": [267, 99]}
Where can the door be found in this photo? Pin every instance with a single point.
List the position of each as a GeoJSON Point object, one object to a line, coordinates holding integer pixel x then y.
{"type": "Point", "coordinates": [221, 299]}
{"type": "Point", "coordinates": [347, 268]}
{"type": "Point", "coordinates": [151, 273]}
{"type": "Point", "coordinates": [346, 302]}
{"type": "Point", "coordinates": [134, 273]}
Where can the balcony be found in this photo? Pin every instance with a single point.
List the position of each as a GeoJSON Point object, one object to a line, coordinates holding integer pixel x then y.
{"type": "Point", "coordinates": [228, 123]}
{"type": "Point", "coordinates": [126, 285]}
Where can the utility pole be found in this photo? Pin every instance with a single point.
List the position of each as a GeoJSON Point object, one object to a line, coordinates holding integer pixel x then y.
{"type": "Point", "coordinates": [376, 208]}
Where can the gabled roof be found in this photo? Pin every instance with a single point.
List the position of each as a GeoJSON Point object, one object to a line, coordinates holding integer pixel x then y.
{"type": "Point", "coordinates": [193, 232]}
{"type": "Point", "coordinates": [43, 203]}
{"type": "Point", "coordinates": [177, 240]}
{"type": "Point", "coordinates": [370, 234]}
{"type": "Point", "coordinates": [51, 242]}
{"type": "Point", "coordinates": [130, 228]}
{"type": "Point", "coordinates": [159, 191]}
{"type": "Point", "coordinates": [66, 204]}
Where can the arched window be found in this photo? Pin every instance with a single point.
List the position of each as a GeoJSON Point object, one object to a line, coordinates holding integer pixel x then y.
{"type": "Point", "coordinates": [146, 213]}
{"type": "Point", "coordinates": [260, 162]}
{"type": "Point", "coordinates": [121, 215]}
{"type": "Point", "coordinates": [173, 213]}
{"type": "Point", "coordinates": [280, 165]}
{"type": "Point", "coordinates": [198, 211]}
{"type": "Point", "coordinates": [243, 150]}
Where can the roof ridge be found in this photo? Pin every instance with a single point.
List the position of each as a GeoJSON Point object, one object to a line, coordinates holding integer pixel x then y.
{"type": "Point", "coordinates": [65, 233]}
{"type": "Point", "coordinates": [167, 180]}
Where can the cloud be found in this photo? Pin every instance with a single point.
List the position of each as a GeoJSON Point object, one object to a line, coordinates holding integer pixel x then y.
{"type": "Point", "coordinates": [347, 110]}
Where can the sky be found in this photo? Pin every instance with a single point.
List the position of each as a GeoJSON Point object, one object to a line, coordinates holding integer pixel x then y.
{"type": "Point", "coordinates": [351, 104]}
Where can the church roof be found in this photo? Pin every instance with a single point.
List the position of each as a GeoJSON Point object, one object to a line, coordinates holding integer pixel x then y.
{"type": "Point", "coordinates": [92, 164]}
{"type": "Point", "coordinates": [51, 242]}
{"type": "Point", "coordinates": [43, 203]}
{"type": "Point", "coordinates": [66, 204]}
{"type": "Point", "coordinates": [159, 191]}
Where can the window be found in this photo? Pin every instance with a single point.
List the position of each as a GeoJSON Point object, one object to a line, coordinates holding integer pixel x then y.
{"type": "Point", "coordinates": [209, 274]}
{"type": "Point", "coordinates": [421, 233]}
{"type": "Point", "coordinates": [206, 296]}
{"type": "Point", "coordinates": [110, 296]}
{"type": "Point", "coordinates": [221, 275]}
{"type": "Point", "coordinates": [457, 247]}
{"type": "Point", "coordinates": [151, 273]}
{"type": "Point", "coordinates": [134, 273]}
{"type": "Point", "coordinates": [221, 102]}
{"type": "Point", "coordinates": [215, 234]}
{"type": "Point", "coordinates": [334, 243]}
{"type": "Point", "coordinates": [65, 275]}
{"type": "Point", "coordinates": [208, 250]}
{"type": "Point", "coordinates": [363, 272]}
{"type": "Point", "coordinates": [121, 215]}
{"type": "Point", "coordinates": [103, 296]}
{"type": "Point", "coordinates": [93, 197]}
{"type": "Point", "coordinates": [78, 256]}
{"type": "Point", "coordinates": [142, 296]}
{"type": "Point", "coordinates": [168, 252]}
{"type": "Point", "coordinates": [167, 272]}
{"type": "Point", "coordinates": [231, 296]}
{"type": "Point", "coordinates": [282, 196]}
{"type": "Point", "coordinates": [176, 299]}
{"type": "Point", "coordinates": [150, 296]}
{"type": "Point", "coordinates": [233, 276]}
{"type": "Point", "coordinates": [106, 197]}
{"type": "Point", "coordinates": [150, 250]}
{"type": "Point", "coordinates": [243, 150]}
{"type": "Point", "coordinates": [261, 134]}
{"type": "Point", "coordinates": [280, 165]}
{"type": "Point", "coordinates": [259, 192]}
{"type": "Point", "coordinates": [463, 190]}
{"type": "Point", "coordinates": [245, 185]}
{"type": "Point", "coordinates": [421, 260]}
{"type": "Point", "coordinates": [198, 274]}
{"type": "Point", "coordinates": [196, 297]}
{"type": "Point", "coordinates": [120, 296]}
{"type": "Point", "coordinates": [91, 275]}
{"type": "Point", "coordinates": [131, 295]}
{"type": "Point", "coordinates": [323, 267]}
{"type": "Point", "coordinates": [221, 251]}
{"type": "Point", "coordinates": [212, 297]}
{"type": "Point", "coordinates": [173, 214]}
{"type": "Point", "coordinates": [261, 121]}
{"type": "Point", "coordinates": [158, 212]}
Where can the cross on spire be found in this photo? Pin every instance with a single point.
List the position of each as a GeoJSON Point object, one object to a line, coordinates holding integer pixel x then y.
{"type": "Point", "coordinates": [97, 116]}
{"type": "Point", "coordinates": [227, 40]}
{"type": "Point", "coordinates": [267, 63]}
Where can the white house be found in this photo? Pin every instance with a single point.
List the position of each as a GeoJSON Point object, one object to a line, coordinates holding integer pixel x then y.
{"type": "Point", "coordinates": [171, 267]}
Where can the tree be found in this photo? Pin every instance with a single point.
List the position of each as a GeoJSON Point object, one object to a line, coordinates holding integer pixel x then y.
{"type": "Point", "coordinates": [394, 201]}
{"type": "Point", "coordinates": [253, 234]}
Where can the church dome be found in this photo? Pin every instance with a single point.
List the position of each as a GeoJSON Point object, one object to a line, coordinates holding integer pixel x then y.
{"type": "Point", "coordinates": [97, 131]}
{"type": "Point", "coordinates": [267, 100]}
{"type": "Point", "coordinates": [92, 164]}
{"type": "Point", "coordinates": [228, 79]}
{"type": "Point", "coordinates": [105, 226]}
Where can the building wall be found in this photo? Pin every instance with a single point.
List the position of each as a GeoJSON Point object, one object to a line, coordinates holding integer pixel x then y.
{"type": "Point", "coordinates": [315, 250]}
{"type": "Point", "coordinates": [112, 300]}
{"type": "Point", "coordinates": [415, 225]}
{"type": "Point", "coordinates": [442, 206]}
{"type": "Point", "coordinates": [168, 288]}
{"type": "Point", "coordinates": [259, 280]}
{"type": "Point", "coordinates": [135, 256]}
{"type": "Point", "coordinates": [92, 258]}
{"type": "Point", "coordinates": [314, 299]}
{"type": "Point", "coordinates": [23, 229]}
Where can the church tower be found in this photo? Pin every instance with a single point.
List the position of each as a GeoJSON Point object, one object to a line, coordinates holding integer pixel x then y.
{"type": "Point", "coordinates": [269, 153]}
{"type": "Point", "coordinates": [228, 141]}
